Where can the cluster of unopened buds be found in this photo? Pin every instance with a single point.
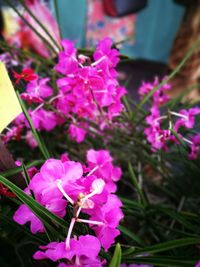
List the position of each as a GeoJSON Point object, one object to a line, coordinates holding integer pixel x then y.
{"type": "Point", "coordinates": [87, 91]}
{"type": "Point", "coordinates": [165, 129]}
{"type": "Point", "coordinates": [89, 190]}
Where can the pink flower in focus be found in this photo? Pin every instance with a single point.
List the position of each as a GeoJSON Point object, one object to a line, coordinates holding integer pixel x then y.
{"type": "Point", "coordinates": [82, 252]}
{"type": "Point", "coordinates": [110, 214]}
{"type": "Point", "coordinates": [24, 215]}
{"type": "Point", "coordinates": [44, 183]}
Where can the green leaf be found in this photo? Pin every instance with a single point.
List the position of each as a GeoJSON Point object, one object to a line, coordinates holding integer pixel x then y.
{"type": "Point", "coordinates": [131, 235]}
{"type": "Point", "coordinates": [169, 245]}
{"type": "Point", "coordinates": [13, 171]}
{"type": "Point", "coordinates": [162, 261]}
{"type": "Point", "coordinates": [116, 259]}
{"type": "Point", "coordinates": [136, 184]}
{"type": "Point", "coordinates": [131, 203]}
{"type": "Point", "coordinates": [26, 176]}
{"type": "Point", "coordinates": [49, 219]}
{"type": "Point", "coordinates": [40, 142]}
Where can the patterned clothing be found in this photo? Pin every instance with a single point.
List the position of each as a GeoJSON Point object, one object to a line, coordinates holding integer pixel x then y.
{"type": "Point", "coordinates": [99, 25]}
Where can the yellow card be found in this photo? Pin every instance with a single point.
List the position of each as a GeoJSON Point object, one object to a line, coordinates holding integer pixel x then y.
{"type": "Point", "coordinates": [9, 104]}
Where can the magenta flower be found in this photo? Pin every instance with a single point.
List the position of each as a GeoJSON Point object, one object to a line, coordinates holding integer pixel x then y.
{"type": "Point", "coordinates": [44, 120]}
{"type": "Point", "coordinates": [106, 58]}
{"type": "Point", "coordinates": [87, 92]}
{"type": "Point", "coordinates": [81, 252]}
{"type": "Point", "coordinates": [88, 190]}
{"type": "Point", "coordinates": [50, 173]}
{"type": "Point", "coordinates": [67, 62]}
{"type": "Point", "coordinates": [159, 96]}
{"type": "Point", "coordinates": [194, 147]}
{"type": "Point", "coordinates": [101, 164]}
{"type": "Point", "coordinates": [24, 215]}
{"type": "Point", "coordinates": [110, 214]}
{"type": "Point", "coordinates": [77, 133]}
{"type": "Point", "coordinates": [186, 118]}
{"type": "Point", "coordinates": [30, 140]}
{"type": "Point", "coordinates": [37, 91]}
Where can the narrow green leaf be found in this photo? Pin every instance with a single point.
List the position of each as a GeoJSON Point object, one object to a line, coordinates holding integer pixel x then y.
{"type": "Point", "coordinates": [131, 235]}
{"type": "Point", "coordinates": [162, 261]}
{"type": "Point", "coordinates": [128, 251]}
{"type": "Point", "coordinates": [40, 142]}
{"type": "Point", "coordinates": [26, 176]}
{"type": "Point", "coordinates": [116, 259]}
{"type": "Point", "coordinates": [38, 209]}
{"type": "Point", "coordinates": [131, 203]}
{"type": "Point", "coordinates": [137, 186]}
{"type": "Point", "coordinates": [169, 245]}
{"type": "Point", "coordinates": [14, 171]}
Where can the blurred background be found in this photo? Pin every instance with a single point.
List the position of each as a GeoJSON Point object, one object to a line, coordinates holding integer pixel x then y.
{"type": "Point", "coordinates": [154, 34]}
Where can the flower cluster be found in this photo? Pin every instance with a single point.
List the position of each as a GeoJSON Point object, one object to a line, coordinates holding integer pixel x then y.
{"type": "Point", "coordinates": [87, 92]}
{"type": "Point", "coordinates": [165, 129]}
{"type": "Point", "coordinates": [87, 188]}
{"type": "Point", "coordinates": [159, 96]}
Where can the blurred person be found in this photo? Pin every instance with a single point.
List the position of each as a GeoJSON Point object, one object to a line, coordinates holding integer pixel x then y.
{"type": "Point", "coordinates": [189, 33]}
{"type": "Point", "coordinates": [148, 33]}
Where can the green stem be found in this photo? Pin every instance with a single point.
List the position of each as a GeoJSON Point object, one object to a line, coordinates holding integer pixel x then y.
{"type": "Point", "coordinates": [136, 184]}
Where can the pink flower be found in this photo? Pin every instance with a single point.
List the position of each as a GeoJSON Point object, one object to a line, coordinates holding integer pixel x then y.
{"type": "Point", "coordinates": [44, 120]}
{"type": "Point", "coordinates": [88, 192]}
{"type": "Point", "coordinates": [77, 133]}
{"type": "Point", "coordinates": [194, 147]}
{"type": "Point", "coordinates": [67, 62]}
{"type": "Point", "coordinates": [37, 91]}
{"type": "Point", "coordinates": [82, 252]}
{"type": "Point", "coordinates": [187, 118]}
{"type": "Point", "coordinates": [159, 96]}
{"type": "Point", "coordinates": [110, 214]}
{"type": "Point", "coordinates": [24, 215]}
{"type": "Point", "coordinates": [101, 164]}
{"type": "Point", "coordinates": [44, 183]}
{"type": "Point", "coordinates": [106, 58]}
{"type": "Point", "coordinates": [30, 140]}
